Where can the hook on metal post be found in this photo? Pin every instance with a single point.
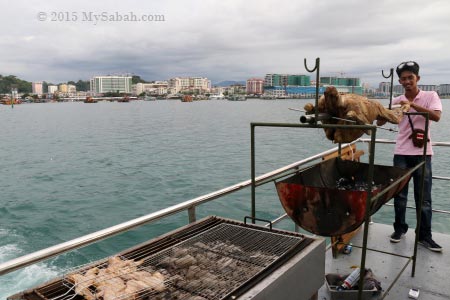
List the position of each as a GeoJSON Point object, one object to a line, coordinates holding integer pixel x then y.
{"type": "Point", "coordinates": [391, 75]}
{"type": "Point", "coordinates": [317, 69]}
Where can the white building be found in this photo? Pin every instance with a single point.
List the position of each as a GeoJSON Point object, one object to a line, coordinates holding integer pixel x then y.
{"type": "Point", "coordinates": [384, 87]}
{"type": "Point", "coordinates": [444, 89]}
{"type": "Point", "coordinates": [114, 84]}
{"type": "Point", "coordinates": [155, 88]}
{"type": "Point", "coordinates": [52, 89]}
{"type": "Point", "coordinates": [428, 87]}
{"type": "Point", "coordinates": [194, 84]}
{"type": "Point", "coordinates": [71, 89]}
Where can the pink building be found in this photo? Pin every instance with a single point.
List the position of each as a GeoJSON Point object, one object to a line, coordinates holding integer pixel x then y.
{"type": "Point", "coordinates": [36, 88]}
{"type": "Point", "coordinates": [255, 86]}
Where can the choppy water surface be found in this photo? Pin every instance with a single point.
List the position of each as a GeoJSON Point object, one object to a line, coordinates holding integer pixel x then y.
{"type": "Point", "coordinates": [68, 169]}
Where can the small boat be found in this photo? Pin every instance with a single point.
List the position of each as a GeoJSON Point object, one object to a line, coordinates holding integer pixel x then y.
{"type": "Point", "coordinates": [237, 98]}
{"type": "Point", "coordinates": [149, 98]}
{"type": "Point", "coordinates": [11, 102]}
{"type": "Point", "coordinates": [217, 97]}
{"type": "Point", "coordinates": [90, 100]}
{"type": "Point", "coordinates": [124, 99]}
{"type": "Point", "coordinates": [187, 98]}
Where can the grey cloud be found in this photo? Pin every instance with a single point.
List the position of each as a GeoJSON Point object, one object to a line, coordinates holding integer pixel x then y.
{"type": "Point", "coordinates": [227, 39]}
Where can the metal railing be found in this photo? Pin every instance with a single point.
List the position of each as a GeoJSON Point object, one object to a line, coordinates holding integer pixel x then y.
{"type": "Point", "coordinates": [189, 206]}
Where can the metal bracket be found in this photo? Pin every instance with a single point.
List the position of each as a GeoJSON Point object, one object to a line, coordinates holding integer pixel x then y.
{"type": "Point", "coordinates": [317, 69]}
{"type": "Point", "coordinates": [391, 75]}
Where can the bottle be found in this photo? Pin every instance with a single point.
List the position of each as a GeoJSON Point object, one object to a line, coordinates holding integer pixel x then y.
{"type": "Point", "coordinates": [348, 248]}
{"type": "Point", "coordinates": [350, 281]}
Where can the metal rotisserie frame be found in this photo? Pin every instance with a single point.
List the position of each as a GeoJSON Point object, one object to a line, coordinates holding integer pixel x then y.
{"type": "Point", "coordinates": [214, 258]}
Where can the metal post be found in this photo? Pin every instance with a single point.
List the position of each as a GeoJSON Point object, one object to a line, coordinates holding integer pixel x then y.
{"type": "Point", "coordinates": [191, 214]}
{"type": "Point", "coordinates": [421, 194]}
{"type": "Point", "coordinates": [253, 172]}
{"type": "Point", "coordinates": [391, 75]}
{"type": "Point", "coordinates": [316, 67]}
{"type": "Point", "coordinates": [367, 213]}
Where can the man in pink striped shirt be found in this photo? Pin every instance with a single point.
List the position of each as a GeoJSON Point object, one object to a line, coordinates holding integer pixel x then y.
{"type": "Point", "coordinates": [408, 154]}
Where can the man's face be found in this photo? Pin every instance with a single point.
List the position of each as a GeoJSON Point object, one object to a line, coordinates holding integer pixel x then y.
{"type": "Point", "coordinates": [409, 80]}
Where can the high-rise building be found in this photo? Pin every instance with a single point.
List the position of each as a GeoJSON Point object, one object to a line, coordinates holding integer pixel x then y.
{"type": "Point", "coordinates": [71, 89]}
{"type": "Point", "coordinates": [254, 86]}
{"type": "Point", "coordinates": [63, 88]}
{"type": "Point", "coordinates": [444, 89]}
{"type": "Point", "coordinates": [343, 84]}
{"type": "Point", "coordinates": [156, 88]}
{"type": "Point", "coordinates": [194, 84]}
{"type": "Point", "coordinates": [428, 87]}
{"type": "Point", "coordinates": [384, 87]}
{"type": "Point", "coordinates": [36, 88]}
{"type": "Point", "coordinates": [286, 80]}
{"type": "Point", "coordinates": [52, 89]}
{"type": "Point", "coordinates": [114, 84]}
{"type": "Point", "coordinates": [287, 85]}
{"type": "Point", "coordinates": [344, 81]}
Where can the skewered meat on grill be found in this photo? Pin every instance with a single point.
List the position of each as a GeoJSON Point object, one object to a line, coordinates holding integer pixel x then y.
{"type": "Point", "coordinates": [82, 284]}
{"type": "Point", "coordinates": [119, 278]}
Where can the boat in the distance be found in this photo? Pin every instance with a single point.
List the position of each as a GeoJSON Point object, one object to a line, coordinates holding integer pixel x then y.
{"type": "Point", "coordinates": [237, 98]}
{"type": "Point", "coordinates": [90, 100]}
{"type": "Point", "coordinates": [11, 101]}
{"type": "Point", "coordinates": [124, 99]}
{"type": "Point", "coordinates": [187, 98]}
{"type": "Point", "coordinates": [216, 97]}
{"type": "Point", "coordinates": [149, 98]}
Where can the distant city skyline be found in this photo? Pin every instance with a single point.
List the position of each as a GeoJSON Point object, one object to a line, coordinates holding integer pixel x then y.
{"type": "Point", "coordinates": [243, 81]}
{"type": "Point", "coordinates": [57, 41]}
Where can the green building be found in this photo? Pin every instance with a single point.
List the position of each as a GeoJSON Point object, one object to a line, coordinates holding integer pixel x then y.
{"type": "Point", "coordinates": [343, 84]}
{"type": "Point", "coordinates": [286, 80]}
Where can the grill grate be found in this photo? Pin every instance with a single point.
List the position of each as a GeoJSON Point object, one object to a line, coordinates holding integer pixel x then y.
{"type": "Point", "coordinates": [210, 264]}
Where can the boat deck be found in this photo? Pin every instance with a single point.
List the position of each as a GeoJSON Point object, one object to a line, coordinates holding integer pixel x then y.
{"type": "Point", "coordinates": [432, 268]}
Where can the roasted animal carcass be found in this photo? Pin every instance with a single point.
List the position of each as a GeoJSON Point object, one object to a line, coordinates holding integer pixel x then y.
{"type": "Point", "coordinates": [354, 108]}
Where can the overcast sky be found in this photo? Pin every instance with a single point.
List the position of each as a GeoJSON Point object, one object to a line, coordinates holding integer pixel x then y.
{"type": "Point", "coordinates": [223, 40]}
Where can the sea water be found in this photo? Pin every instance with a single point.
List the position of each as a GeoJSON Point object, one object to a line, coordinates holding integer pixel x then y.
{"type": "Point", "coordinates": [69, 169]}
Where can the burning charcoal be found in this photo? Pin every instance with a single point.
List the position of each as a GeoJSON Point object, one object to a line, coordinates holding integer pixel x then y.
{"type": "Point", "coordinates": [344, 183]}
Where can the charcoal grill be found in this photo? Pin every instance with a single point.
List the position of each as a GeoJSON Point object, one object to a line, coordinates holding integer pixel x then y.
{"type": "Point", "coordinates": [211, 259]}
{"type": "Point", "coordinates": [316, 201]}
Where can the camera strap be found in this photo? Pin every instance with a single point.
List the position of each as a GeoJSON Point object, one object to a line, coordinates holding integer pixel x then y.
{"type": "Point", "coordinates": [410, 122]}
